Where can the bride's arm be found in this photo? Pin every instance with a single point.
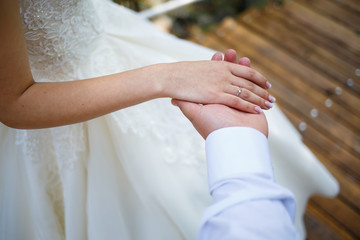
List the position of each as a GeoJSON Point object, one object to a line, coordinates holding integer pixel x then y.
{"type": "Point", "coordinates": [27, 104]}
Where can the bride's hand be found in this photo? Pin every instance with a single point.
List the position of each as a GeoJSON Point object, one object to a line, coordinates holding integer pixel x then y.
{"type": "Point", "coordinates": [218, 82]}
{"type": "Point", "coordinates": [230, 55]}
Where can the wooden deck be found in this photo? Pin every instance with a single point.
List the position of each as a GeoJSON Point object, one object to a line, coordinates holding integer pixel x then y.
{"type": "Point", "coordinates": [310, 51]}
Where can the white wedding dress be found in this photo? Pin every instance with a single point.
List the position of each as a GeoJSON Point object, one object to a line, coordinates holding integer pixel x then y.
{"type": "Point", "coordinates": [138, 173]}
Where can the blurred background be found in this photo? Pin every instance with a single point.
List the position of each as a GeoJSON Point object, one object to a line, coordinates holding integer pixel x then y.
{"type": "Point", "coordinates": [204, 14]}
{"type": "Point", "coordinates": [310, 52]}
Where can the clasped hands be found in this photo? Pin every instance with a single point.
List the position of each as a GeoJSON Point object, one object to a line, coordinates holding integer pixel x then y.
{"type": "Point", "coordinates": [207, 118]}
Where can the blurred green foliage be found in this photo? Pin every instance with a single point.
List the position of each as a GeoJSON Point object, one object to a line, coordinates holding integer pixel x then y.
{"type": "Point", "coordinates": [229, 6]}
{"type": "Point", "coordinates": [138, 5]}
{"type": "Point", "coordinates": [205, 13]}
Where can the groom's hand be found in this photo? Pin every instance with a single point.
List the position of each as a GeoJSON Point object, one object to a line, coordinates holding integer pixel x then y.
{"type": "Point", "coordinates": [231, 56]}
{"type": "Point", "coordinates": [211, 117]}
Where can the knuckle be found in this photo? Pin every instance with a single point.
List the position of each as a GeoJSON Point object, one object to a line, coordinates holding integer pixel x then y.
{"type": "Point", "coordinates": [251, 73]}
{"type": "Point", "coordinates": [245, 94]}
{"type": "Point", "coordinates": [262, 103]}
{"type": "Point", "coordinates": [266, 95]}
{"type": "Point", "coordinates": [242, 105]}
{"type": "Point", "coordinates": [249, 107]}
{"type": "Point", "coordinates": [227, 77]}
{"type": "Point", "coordinates": [263, 93]}
{"type": "Point", "coordinates": [223, 65]}
{"type": "Point", "coordinates": [223, 75]}
{"type": "Point", "coordinates": [214, 96]}
{"type": "Point", "coordinates": [251, 87]}
{"type": "Point", "coordinates": [235, 102]}
{"type": "Point", "coordinates": [248, 85]}
{"type": "Point", "coordinates": [263, 79]}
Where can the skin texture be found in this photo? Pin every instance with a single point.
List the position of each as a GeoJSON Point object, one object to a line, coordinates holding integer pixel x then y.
{"type": "Point", "coordinates": [25, 103]}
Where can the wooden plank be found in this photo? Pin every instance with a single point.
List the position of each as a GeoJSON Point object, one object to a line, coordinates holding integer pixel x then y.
{"type": "Point", "coordinates": [333, 147]}
{"type": "Point", "coordinates": [350, 192]}
{"type": "Point", "coordinates": [309, 32]}
{"type": "Point", "coordinates": [344, 215]}
{"type": "Point", "coordinates": [325, 143]}
{"type": "Point", "coordinates": [320, 227]}
{"type": "Point", "coordinates": [322, 40]}
{"type": "Point", "coordinates": [341, 222]}
{"type": "Point", "coordinates": [305, 42]}
{"type": "Point", "coordinates": [349, 186]}
{"type": "Point", "coordinates": [349, 219]}
{"type": "Point", "coordinates": [307, 28]}
{"type": "Point", "coordinates": [308, 41]}
{"type": "Point", "coordinates": [263, 52]}
{"type": "Point", "coordinates": [344, 209]}
{"type": "Point", "coordinates": [337, 12]}
{"type": "Point", "coordinates": [330, 145]}
{"type": "Point", "coordinates": [307, 91]}
{"type": "Point", "coordinates": [303, 69]}
{"type": "Point", "coordinates": [322, 25]}
{"type": "Point", "coordinates": [351, 5]}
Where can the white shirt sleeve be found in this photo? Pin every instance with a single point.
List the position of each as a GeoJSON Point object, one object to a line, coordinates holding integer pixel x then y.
{"type": "Point", "coordinates": [247, 203]}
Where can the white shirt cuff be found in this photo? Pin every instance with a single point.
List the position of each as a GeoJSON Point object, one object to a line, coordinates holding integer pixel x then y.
{"type": "Point", "coordinates": [236, 150]}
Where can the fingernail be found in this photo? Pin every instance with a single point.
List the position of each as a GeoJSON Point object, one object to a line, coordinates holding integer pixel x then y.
{"type": "Point", "coordinates": [268, 85]}
{"type": "Point", "coordinates": [272, 99]}
{"type": "Point", "coordinates": [268, 104]}
{"type": "Point", "coordinates": [258, 109]}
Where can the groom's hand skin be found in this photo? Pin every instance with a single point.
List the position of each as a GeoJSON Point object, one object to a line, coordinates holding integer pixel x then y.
{"type": "Point", "coordinates": [211, 117]}
{"type": "Point", "coordinates": [208, 118]}
{"type": "Point", "coordinates": [231, 56]}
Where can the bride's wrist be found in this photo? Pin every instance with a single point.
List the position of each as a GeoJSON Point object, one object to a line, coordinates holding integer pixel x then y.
{"type": "Point", "coordinates": [161, 79]}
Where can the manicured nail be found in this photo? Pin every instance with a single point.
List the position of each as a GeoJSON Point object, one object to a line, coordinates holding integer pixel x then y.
{"type": "Point", "coordinates": [272, 99]}
{"type": "Point", "coordinates": [268, 85]}
{"type": "Point", "coordinates": [258, 109]}
{"type": "Point", "coordinates": [268, 104]}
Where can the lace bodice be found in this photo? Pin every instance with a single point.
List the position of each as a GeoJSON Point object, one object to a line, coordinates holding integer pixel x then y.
{"type": "Point", "coordinates": [58, 33]}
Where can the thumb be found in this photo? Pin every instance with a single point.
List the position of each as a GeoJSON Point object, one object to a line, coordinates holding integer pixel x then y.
{"type": "Point", "coordinates": [189, 109]}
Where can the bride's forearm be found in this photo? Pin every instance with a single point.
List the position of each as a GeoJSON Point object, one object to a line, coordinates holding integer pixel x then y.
{"type": "Point", "coordinates": [26, 104]}
{"type": "Point", "coordinates": [44, 105]}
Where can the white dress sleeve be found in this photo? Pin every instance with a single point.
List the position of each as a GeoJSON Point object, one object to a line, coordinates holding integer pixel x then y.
{"type": "Point", "coordinates": [247, 203]}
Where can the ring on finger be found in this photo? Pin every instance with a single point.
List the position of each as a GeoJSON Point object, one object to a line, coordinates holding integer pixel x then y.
{"type": "Point", "coordinates": [238, 93]}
